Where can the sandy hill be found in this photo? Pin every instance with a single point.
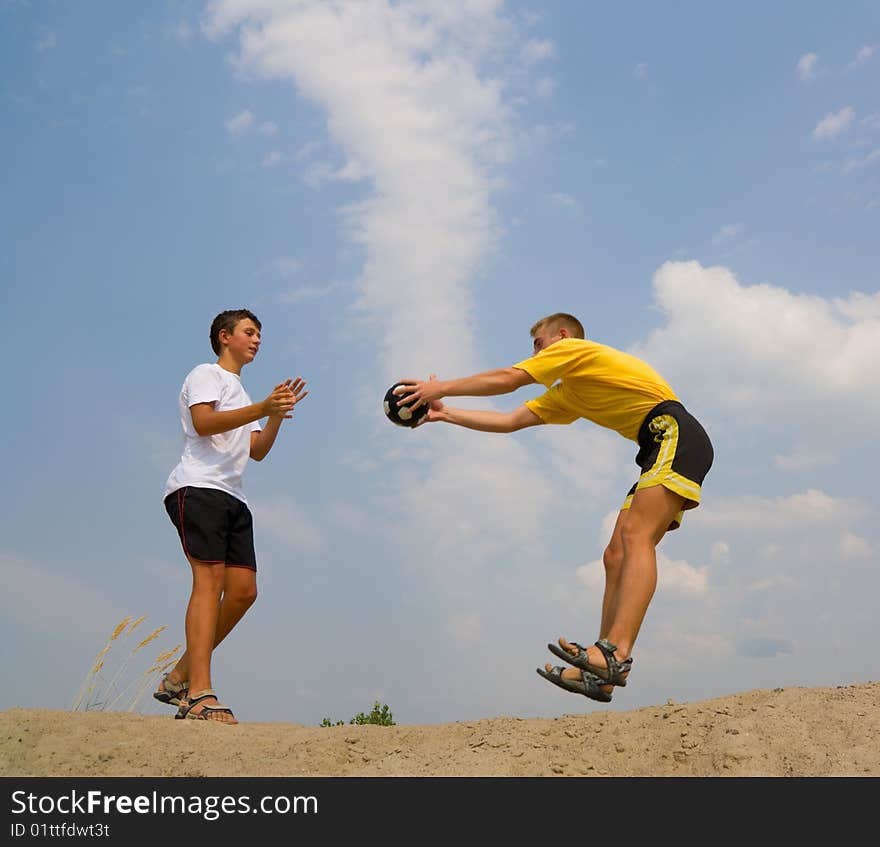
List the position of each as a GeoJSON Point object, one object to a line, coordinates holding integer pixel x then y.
{"type": "Point", "coordinates": [779, 732]}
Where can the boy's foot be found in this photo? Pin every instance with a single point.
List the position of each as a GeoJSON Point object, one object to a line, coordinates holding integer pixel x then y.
{"type": "Point", "coordinates": [596, 662]}
{"type": "Point", "coordinates": [589, 684]}
{"type": "Point", "coordinates": [206, 707]}
{"type": "Point", "coordinates": [171, 691]}
{"type": "Point", "coordinates": [574, 675]}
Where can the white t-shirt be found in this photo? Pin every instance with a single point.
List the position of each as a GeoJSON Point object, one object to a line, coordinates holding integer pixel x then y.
{"type": "Point", "coordinates": [212, 461]}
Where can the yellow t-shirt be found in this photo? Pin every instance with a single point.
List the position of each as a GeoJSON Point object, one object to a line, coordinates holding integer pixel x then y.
{"type": "Point", "coordinates": [606, 386]}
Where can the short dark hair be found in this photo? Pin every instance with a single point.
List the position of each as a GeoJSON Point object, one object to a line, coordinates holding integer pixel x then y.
{"type": "Point", "coordinates": [556, 321]}
{"type": "Point", "coordinates": [228, 320]}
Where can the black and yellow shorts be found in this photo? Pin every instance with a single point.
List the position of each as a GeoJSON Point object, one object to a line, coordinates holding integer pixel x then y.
{"type": "Point", "coordinates": [675, 452]}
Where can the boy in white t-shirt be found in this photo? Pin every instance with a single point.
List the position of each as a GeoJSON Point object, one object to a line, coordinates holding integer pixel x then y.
{"type": "Point", "coordinates": [206, 503]}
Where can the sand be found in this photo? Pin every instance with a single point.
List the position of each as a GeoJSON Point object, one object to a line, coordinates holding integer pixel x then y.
{"type": "Point", "coordinates": [774, 732]}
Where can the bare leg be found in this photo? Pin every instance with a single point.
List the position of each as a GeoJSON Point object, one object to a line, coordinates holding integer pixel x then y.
{"type": "Point", "coordinates": [220, 597]}
{"type": "Point", "coordinates": [612, 559]}
{"type": "Point", "coordinates": [201, 621]}
{"type": "Point", "coordinates": [626, 602]}
{"type": "Point", "coordinates": [239, 594]}
{"type": "Point", "coordinates": [650, 514]}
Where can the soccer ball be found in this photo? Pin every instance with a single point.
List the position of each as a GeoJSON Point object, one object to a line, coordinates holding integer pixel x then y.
{"type": "Point", "coordinates": [402, 415]}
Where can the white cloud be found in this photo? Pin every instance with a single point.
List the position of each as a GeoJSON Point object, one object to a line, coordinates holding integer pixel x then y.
{"type": "Point", "coordinates": [854, 546]}
{"type": "Point", "coordinates": [361, 463]}
{"type": "Point", "coordinates": [674, 577]}
{"type": "Point", "coordinates": [269, 128]}
{"type": "Point", "coordinates": [465, 628]}
{"type": "Point", "coordinates": [306, 150]}
{"type": "Point", "coordinates": [352, 171]}
{"type": "Point", "coordinates": [40, 598]}
{"type": "Point", "coordinates": [318, 173]}
{"type": "Point", "coordinates": [728, 232]}
{"type": "Point", "coordinates": [872, 158]}
{"type": "Point", "coordinates": [308, 292]}
{"type": "Point", "coordinates": [803, 459]}
{"type": "Point", "coordinates": [181, 31]}
{"type": "Point", "coordinates": [782, 355]}
{"type": "Point", "coordinates": [152, 440]}
{"type": "Point", "coordinates": [378, 70]}
{"type": "Point", "coordinates": [272, 159]}
{"type": "Point", "coordinates": [562, 199]}
{"type": "Point", "coordinates": [288, 266]}
{"type": "Point", "coordinates": [588, 464]}
{"type": "Point", "coordinates": [860, 306]}
{"type": "Point", "coordinates": [353, 517]}
{"type": "Point", "coordinates": [806, 66]}
{"type": "Point", "coordinates": [545, 88]}
{"type": "Point", "coordinates": [863, 56]}
{"type": "Point", "coordinates": [484, 502]}
{"type": "Point", "coordinates": [537, 49]}
{"type": "Point", "coordinates": [782, 516]}
{"type": "Point", "coordinates": [833, 124]}
{"type": "Point", "coordinates": [591, 576]}
{"type": "Point", "coordinates": [241, 123]}
{"type": "Point", "coordinates": [47, 42]}
{"type": "Point", "coordinates": [551, 132]}
{"type": "Point", "coordinates": [720, 553]}
{"type": "Point", "coordinates": [285, 519]}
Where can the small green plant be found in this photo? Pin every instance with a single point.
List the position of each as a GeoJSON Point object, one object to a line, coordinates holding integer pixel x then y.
{"type": "Point", "coordinates": [103, 692]}
{"type": "Point", "coordinates": [380, 716]}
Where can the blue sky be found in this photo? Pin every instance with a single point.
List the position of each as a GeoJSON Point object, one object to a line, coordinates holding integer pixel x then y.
{"type": "Point", "coordinates": [404, 188]}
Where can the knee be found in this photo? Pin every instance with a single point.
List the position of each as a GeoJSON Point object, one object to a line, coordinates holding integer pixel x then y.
{"type": "Point", "coordinates": [245, 596]}
{"type": "Point", "coordinates": [633, 536]}
{"type": "Point", "coordinates": [208, 580]}
{"type": "Point", "coordinates": [612, 558]}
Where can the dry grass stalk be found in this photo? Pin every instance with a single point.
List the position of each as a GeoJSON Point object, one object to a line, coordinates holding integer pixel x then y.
{"type": "Point", "coordinates": [136, 624]}
{"type": "Point", "coordinates": [151, 637]}
{"type": "Point", "coordinates": [89, 697]}
{"type": "Point", "coordinates": [88, 683]}
{"type": "Point", "coordinates": [150, 677]}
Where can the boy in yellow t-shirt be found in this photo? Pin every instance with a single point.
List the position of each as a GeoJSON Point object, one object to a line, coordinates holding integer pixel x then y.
{"type": "Point", "coordinates": [618, 391]}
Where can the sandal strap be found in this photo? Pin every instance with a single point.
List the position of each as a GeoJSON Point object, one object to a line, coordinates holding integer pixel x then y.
{"type": "Point", "coordinates": [173, 687]}
{"type": "Point", "coordinates": [216, 707]}
{"type": "Point", "coordinates": [187, 706]}
{"type": "Point", "coordinates": [198, 696]}
{"type": "Point", "coordinates": [592, 683]}
{"type": "Point", "coordinates": [616, 669]}
{"type": "Point", "coordinates": [207, 708]}
{"type": "Point", "coordinates": [582, 654]}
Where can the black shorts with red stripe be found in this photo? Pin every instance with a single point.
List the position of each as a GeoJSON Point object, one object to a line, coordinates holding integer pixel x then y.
{"type": "Point", "coordinates": [214, 527]}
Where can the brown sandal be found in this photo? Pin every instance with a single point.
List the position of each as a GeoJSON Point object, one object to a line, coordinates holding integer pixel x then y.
{"type": "Point", "coordinates": [185, 710]}
{"type": "Point", "coordinates": [172, 693]}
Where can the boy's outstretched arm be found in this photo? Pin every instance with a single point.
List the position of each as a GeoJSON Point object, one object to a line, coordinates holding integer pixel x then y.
{"type": "Point", "coordinates": [486, 384]}
{"type": "Point", "coordinates": [484, 421]}
{"type": "Point", "coordinates": [262, 441]}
